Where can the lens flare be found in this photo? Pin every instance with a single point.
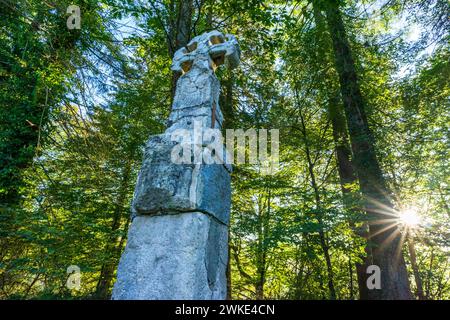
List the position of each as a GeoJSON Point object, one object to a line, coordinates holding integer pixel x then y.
{"type": "Point", "coordinates": [410, 218]}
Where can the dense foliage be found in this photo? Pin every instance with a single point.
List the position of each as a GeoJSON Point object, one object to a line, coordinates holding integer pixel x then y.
{"type": "Point", "coordinates": [77, 106]}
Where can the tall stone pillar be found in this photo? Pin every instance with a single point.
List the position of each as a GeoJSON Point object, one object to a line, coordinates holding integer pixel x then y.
{"type": "Point", "coordinates": [177, 242]}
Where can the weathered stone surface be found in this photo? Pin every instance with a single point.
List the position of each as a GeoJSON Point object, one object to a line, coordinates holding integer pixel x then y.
{"type": "Point", "coordinates": [180, 256]}
{"type": "Point", "coordinates": [185, 118]}
{"type": "Point", "coordinates": [196, 88]}
{"type": "Point", "coordinates": [210, 49]}
{"type": "Point", "coordinates": [177, 242]}
{"type": "Point", "coordinates": [204, 121]}
{"type": "Point", "coordinates": [164, 186]}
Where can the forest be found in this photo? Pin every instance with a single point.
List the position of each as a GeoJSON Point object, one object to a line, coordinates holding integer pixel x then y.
{"type": "Point", "coordinates": [359, 91]}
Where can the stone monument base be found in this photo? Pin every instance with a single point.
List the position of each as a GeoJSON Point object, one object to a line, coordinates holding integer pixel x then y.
{"type": "Point", "coordinates": [173, 256]}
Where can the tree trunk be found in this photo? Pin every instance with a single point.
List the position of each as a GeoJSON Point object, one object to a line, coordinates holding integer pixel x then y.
{"type": "Point", "coordinates": [182, 34]}
{"type": "Point", "coordinates": [428, 278]}
{"type": "Point", "coordinates": [347, 174]}
{"type": "Point", "coordinates": [412, 257]}
{"type": "Point", "coordinates": [322, 235]}
{"type": "Point", "coordinates": [113, 248]}
{"type": "Point", "coordinates": [226, 101]}
{"type": "Point", "coordinates": [263, 218]}
{"type": "Point", "coordinates": [385, 236]}
{"type": "Point", "coordinates": [348, 177]}
{"type": "Point", "coordinates": [226, 105]}
{"type": "Point", "coordinates": [229, 268]}
{"type": "Point", "coordinates": [350, 273]}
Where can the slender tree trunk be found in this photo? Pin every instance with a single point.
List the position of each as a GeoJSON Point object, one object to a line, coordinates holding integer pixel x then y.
{"type": "Point", "coordinates": [260, 288]}
{"type": "Point", "coordinates": [182, 34]}
{"type": "Point", "coordinates": [322, 235]}
{"type": "Point", "coordinates": [428, 279]}
{"type": "Point", "coordinates": [226, 105]}
{"type": "Point", "coordinates": [347, 174]}
{"type": "Point", "coordinates": [228, 272]}
{"type": "Point", "coordinates": [263, 217]}
{"type": "Point", "coordinates": [412, 257]}
{"type": "Point", "coordinates": [385, 236]}
{"type": "Point", "coordinates": [113, 248]}
{"type": "Point", "coordinates": [350, 273]}
{"type": "Point", "coordinates": [226, 102]}
{"type": "Point", "coordinates": [299, 270]}
{"type": "Point", "coordinates": [347, 178]}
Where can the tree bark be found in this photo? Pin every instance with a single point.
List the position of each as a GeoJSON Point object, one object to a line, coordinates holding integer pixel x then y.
{"type": "Point", "coordinates": [182, 34]}
{"type": "Point", "coordinates": [385, 236]}
{"type": "Point", "coordinates": [412, 257]}
{"type": "Point", "coordinates": [226, 102]}
{"type": "Point", "coordinates": [261, 255]}
{"type": "Point", "coordinates": [347, 176]}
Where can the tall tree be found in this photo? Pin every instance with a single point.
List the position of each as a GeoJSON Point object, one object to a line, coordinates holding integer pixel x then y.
{"type": "Point", "coordinates": [384, 234]}
{"type": "Point", "coordinates": [347, 175]}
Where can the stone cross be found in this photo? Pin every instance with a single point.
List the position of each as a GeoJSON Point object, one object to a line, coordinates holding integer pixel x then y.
{"type": "Point", "coordinates": [178, 239]}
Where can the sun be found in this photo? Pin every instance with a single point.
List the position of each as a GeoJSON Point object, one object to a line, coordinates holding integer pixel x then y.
{"type": "Point", "coordinates": [410, 217]}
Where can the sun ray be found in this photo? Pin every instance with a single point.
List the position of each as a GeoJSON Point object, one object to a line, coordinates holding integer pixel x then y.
{"type": "Point", "coordinates": [400, 246]}
{"type": "Point", "coordinates": [390, 226]}
{"type": "Point", "coordinates": [382, 208]}
{"type": "Point", "coordinates": [391, 237]}
{"type": "Point", "coordinates": [384, 221]}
